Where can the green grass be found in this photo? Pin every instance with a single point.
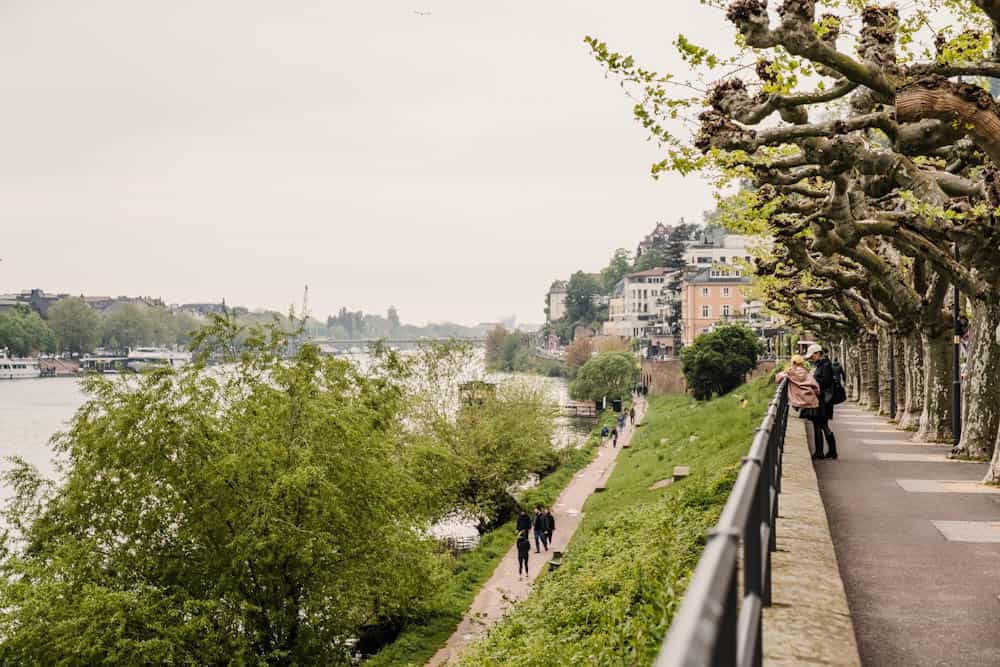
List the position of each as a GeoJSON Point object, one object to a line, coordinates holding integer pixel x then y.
{"type": "Point", "coordinates": [418, 642]}
{"type": "Point", "coordinates": [628, 564]}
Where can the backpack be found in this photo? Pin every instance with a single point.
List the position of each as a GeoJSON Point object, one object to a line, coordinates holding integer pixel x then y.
{"type": "Point", "coordinates": [839, 394]}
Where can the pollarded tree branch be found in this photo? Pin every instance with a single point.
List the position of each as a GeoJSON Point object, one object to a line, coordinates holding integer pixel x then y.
{"type": "Point", "coordinates": [797, 36]}
{"type": "Point", "coordinates": [970, 107]}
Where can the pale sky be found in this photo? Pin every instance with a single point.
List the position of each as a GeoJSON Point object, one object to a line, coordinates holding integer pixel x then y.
{"type": "Point", "coordinates": [452, 164]}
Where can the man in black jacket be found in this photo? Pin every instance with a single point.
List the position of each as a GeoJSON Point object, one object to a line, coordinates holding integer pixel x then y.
{"type": "Point", "coordinates": [540, 524]}
{"type": "Point", "coordinates": [523, 522]}
{"type": "Point", "coordinates": [824, 374]}
{"type": "Point", "coordinates": [550, 524]}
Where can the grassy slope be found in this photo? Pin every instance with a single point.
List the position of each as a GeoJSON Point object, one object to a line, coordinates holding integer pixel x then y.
{"type": "Point", "coordinates": [417, 643]}
{"type": "Point", "coordinates": [627, 567]}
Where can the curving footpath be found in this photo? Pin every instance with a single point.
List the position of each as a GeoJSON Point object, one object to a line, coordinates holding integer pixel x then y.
{"type": "Point", "coordinates": [918, 542]}
{"type": "Point", "coordinates": [504, 587]}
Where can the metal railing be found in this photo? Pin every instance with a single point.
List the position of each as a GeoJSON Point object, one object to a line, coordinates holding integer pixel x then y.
{"type": "Point", "coordinates": [715, 624]}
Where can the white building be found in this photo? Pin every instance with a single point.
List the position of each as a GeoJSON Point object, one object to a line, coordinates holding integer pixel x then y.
{"type": "Point", "coordinates": [640, 303]}
{"type": "Point", "coordinates": [556, 300]}
{"type": "Point", "coordinates": [730, 249]}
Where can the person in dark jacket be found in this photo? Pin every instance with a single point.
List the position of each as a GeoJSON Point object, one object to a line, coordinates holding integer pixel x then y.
{"type": "Point", "coordinates": [631, 415]}
{"type": "Point", "coordinates": [523, 550]}
{"type": "Point", "coordinates": [550, 524]}
{"type": "Point", "coordinates": [540, 524]}
{"type": "Point", "coordinates": [824, 374]}
{"type": "Point", "coordinates": [614, 437]}
{"type": "Point", "coordinates": [523, 522]}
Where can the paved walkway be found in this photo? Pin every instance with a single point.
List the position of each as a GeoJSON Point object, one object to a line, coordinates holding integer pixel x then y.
{"type": "Point", "coordinates": [918, 543]}
{"type": "Point", "coordinates": [505, 587]}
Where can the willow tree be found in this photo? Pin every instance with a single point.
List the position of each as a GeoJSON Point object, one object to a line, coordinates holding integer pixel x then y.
{"type": "Point", "coordinates": [867, 140]}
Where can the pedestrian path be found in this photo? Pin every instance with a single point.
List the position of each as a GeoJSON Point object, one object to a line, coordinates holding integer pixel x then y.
{"type": "Point", "coordinates": [918, 542]}
{"type": "Point", "coordinates": [505, 587]}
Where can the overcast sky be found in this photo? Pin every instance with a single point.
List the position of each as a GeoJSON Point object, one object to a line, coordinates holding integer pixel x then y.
{"type": "Point", "coordinates": [452, 164]}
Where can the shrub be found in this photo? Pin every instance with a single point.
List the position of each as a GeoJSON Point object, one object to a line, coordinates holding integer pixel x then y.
{"type": "Point", "coordinates": [719, 360]}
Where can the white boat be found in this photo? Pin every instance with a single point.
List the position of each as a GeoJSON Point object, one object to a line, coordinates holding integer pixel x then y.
{"type": "Point", "coordinates": [144, 358]}
{"type": "Point", "coordinates": [17, 368]}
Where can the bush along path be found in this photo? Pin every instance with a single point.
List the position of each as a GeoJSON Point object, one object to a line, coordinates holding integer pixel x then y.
{"type": "Point", "coordinates": [505, 587]}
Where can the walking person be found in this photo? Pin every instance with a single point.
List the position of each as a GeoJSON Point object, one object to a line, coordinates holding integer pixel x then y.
{"type": "Point", "coordinates": [605, 432]}
{"type": "Point", "coordinates": [631, 415]}
{"type": "Point", "coordinates": [550, 524]}
{"type": "Point", "coordinates": [539, 525]}
{"type": "Point", "coordinates": [803, 393]}
{"type": "Point", "coordinates": [523, 521]}
{"type": "Point", "coordinates": [621, 422]}
{"type": "Point", "coordinates": [823, 372]}
{"type": "Point", "coordinates": [523, 551]}
{"type": "Point", "coordinates": [614, 437]}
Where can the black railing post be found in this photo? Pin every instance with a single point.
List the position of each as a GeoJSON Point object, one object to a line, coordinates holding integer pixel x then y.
{"type": "Point", "coordinates": [892, 377]}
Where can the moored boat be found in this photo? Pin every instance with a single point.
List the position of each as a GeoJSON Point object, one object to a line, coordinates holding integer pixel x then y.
{"type": "Point", "coordinates": [18, 368]}
{"type": "Point", "coordinates": [144, 358]}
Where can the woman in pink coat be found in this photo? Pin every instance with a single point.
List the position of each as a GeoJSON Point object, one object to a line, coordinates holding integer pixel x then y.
{"type": "Point", "coordinates": [803, 390]}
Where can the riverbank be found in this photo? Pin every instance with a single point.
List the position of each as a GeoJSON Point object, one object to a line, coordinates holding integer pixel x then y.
{"type": "Point", "coordinates": [625, 571]}
{"type": "Point", "coordinates": [417, 643]}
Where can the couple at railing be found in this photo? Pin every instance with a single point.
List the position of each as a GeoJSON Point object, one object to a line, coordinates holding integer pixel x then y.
{"type": "Point", "coordinates": [814, 395]}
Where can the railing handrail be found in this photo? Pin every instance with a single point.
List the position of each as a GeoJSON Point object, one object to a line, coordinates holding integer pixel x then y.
{"type": "Point", "coordinates": [712, 626]}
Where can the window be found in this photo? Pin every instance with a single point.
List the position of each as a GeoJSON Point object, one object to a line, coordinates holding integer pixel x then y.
{"type": "Point", "coordinates": [722, 260]}
{"type": "Point", "coordinates": [725, 310]}
{"type": "Point", "coordinates": [704, 291]}
{"type": "Point", "coordinates": [704, 260]}
{"type": "Point", "coordinates": [706, 311]}
{"type": "Point", "coordinates": [725, 292]}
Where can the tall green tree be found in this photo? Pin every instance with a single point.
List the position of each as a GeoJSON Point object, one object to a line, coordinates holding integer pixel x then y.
{"type": "Point", "coordinates": [22, 332]}
{"type": "Point", "coordinates": [580, 293]}
{"type": "Point", "coordinates": [126, 326]}
{"type": "Point", "coordinates": [619, 266]}
{"type": "Point", "coordinates": [718, 361]}
{"type": "Point", "coordinates": [77, 326]}
{"type": "Point", "coordinates": [608, 375]}
{"type": "Point", "coordinates": [258, 516]}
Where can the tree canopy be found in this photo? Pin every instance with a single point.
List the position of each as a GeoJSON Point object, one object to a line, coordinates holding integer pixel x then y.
{"type": "Point", "coordinates": [718, 361]}
{"type": "Point", "coordinates": [609, 374]}
{"type": "Point", "coordinates": [862, 140]}
{"type": "Point", "coordinates": [77, 326]}
{"type": "Point", "coordinates": [22, 332]}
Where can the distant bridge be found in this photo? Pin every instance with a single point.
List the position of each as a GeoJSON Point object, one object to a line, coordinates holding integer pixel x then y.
{"type": "Point", "coordinates": [363, 344]}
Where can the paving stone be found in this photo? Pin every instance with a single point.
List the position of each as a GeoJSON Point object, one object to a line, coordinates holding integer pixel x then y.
{"type": "Point", "coordinates": [969, 531]}
{"type": "Point", "coordinates": [924, 458]}
{"type": "Point", "coordinates": [946, 486]}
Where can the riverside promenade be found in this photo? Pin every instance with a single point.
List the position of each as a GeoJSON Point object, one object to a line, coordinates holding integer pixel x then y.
{"type": "Point", "coordinates": [918, 543]}
{"type": "Point", "coordinates": [504, 587]}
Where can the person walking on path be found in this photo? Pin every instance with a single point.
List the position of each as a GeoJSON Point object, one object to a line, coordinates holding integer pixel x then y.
{"type": "Point", "coordinates": [621, 422]}
{"type": "Point", "coordinates": [803, 389]}
{"type": "Point", "coordinates": [605, 432]}
{"type": "Point", "coordinates": [523, 521]}
{"type": "Point", "coordinates": [631, 415]}
{"type": "Point", "coordinates": [540, 525]}
{"type": "Point", "coordinates": [614, 437]}
{"type": "Point", "coordinates": [823, 372]}
{"type": "Point", "coordinates": [550, 524]}
{"type": "Point", "coordinates": [523, 551]}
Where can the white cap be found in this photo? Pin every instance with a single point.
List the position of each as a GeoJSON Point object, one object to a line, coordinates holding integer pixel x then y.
{"type": "Point", "coordinates": [813, 349]}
